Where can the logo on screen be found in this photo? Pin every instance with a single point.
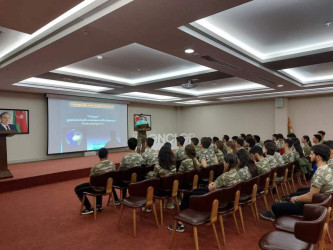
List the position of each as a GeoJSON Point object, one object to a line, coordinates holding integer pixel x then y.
{"type": "Point", "coordinates": [74, 137]}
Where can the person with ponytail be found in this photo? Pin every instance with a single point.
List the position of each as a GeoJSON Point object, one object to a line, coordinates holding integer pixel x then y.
{"type": "Point", "coordinates": [307, 145]}
{"type": "Point", "coordinates": [191, 162]}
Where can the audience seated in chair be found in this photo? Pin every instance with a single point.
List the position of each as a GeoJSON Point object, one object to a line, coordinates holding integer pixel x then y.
{"type": "Point", "coordinates": [229, 178]}
{"type": "Point", "coordinates": [207, 156]}
{"type": "Point", "coordinates": [195, 144]}
{"type": "Point", "coordinates": [191, 162]}
{"type": "Point", "coordinates": [261, 163]}
{"type": "Point", "coordinates": [133, 159]}
{"type": "Point", "coordinates": [150, 156]}
{"type": "Point", "coordinates": [102, 167]}
{"type": "Point", "coordinates": [219, 148]}
{"type": "Point", "coordinates": [322, 182]}
{"type": "Point", "coordinates": [247, 169]}
{"type": "Point", "coordinates": [180, 153]}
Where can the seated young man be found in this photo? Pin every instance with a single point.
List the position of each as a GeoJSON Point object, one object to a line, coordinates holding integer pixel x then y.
{"type": "Point", "coordinates": [239, 143]}
{"type": "Point", "coordinates": [329, 144]}
{"type": "Point", "coordinates": [317, 139]}
{"type": "Point", "coordinates": [261, 163]}
{"type": "Point", "coordinates": [150, 156]}
{"type": "Point", "coordinates": [249, 142]}
{"type": "Point", "coordinates": [133, 159]}
{"type": "Point", "coordinates": [207, 156]}
{"type": "Point", "coordinates": [100, 168]}
{"type": "Point", "coordinates": [322, 182]}
{"type": "Point", "coordinates": [180, 153]}
{"type": "Point", "coordinates": [269, 151]}
{"type": "Point", "coordinates": [288, 156]}
{"type": "Point", "coordinates": [195, 144]}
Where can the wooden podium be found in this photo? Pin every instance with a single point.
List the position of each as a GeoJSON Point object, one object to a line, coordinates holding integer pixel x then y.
{"type": "Point", "coordinates": [4, 171]}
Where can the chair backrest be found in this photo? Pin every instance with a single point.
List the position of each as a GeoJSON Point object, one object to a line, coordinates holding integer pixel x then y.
{"type": "Point", "coordinates": [262, 180]}
{"type": "Point", "coordinates": [147, 169]}
{"type": "Point", "coordinates": [322, 199]}
{"type": "Point", "coordinates": [101, 180]}
{"type": "Point", "coordinates": [204, 172]}
{"type": "Point", "coordinates": [126, 175]}
{"type": "Point", "coordinates": [247, 186]}
{"type": "Point", "coordinates": [218, 169]}
{"type": "Point", "coordinates": [188, 176]}
{"type": "Point", "coordinates": [166, 182]}
{"type": "Point", "coordinates": [178, 162]}
{"type": "Point", "coordinates": [203, 203]}
{"type": "Point", "coordinates": [280, 171]}
{"type": "Point", "coordinates": [310, 231]}
{"type": "Point", "coordinates": [228, 193]}
{"type": "Point", "coordinates": [140, 188]}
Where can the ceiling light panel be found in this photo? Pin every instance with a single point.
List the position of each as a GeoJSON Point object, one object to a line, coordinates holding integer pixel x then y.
{"type": "Point", "coordinates": [82, 14]}
{"type": "Point", "coordinates": [312, 74]}
{"type": "Point", "coordinates": [291, 28]}
{"type": "Point", "coordinates": [193, 102]}
{"type": "Point", "coordinates": [223, 86]}
{"type": "Point", "coordinates": [134, 64]}
{"type": "Point", "coordinates": [41, 83]}
{"type": "Point", "coordinates": [149, 97]}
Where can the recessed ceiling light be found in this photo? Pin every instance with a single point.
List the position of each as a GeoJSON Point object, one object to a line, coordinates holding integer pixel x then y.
{"type": "Point", "coordinates": [99, 57]}
{"type": "Point", "coordinates": [35, 82]}
{"type": "Point", "coordinates": [149, 97]}
{"type": "Point", "coordinates": [189, 51]}
{"type": "Point", "coordinates": [193, 102]}
{"type": "Point", "coordinates": [280, 85]}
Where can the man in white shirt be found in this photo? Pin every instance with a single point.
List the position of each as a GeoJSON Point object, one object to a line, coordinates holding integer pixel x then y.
{"type": "Point", "coordinates": [5, 126]}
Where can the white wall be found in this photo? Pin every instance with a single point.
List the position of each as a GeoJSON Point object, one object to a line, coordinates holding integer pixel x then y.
{"type": "Point", "coordinates": [310, 114]}
{"type": "Point", "coordinates": [231, 119]}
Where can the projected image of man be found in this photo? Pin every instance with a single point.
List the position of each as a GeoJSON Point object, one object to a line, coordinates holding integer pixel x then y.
{"type": "Point", "coordinates": [5, 119]}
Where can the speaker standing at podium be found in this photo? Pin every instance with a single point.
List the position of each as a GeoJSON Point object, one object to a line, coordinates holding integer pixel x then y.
{"type": "Point", "coordinates": [141, 127]}
{"type": "Point", "coordinates": [5, 126]}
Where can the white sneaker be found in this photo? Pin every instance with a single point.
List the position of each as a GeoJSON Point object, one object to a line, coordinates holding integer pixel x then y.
{"type": "Point", "coordinates": [170, 206]}
{"type": "Point", "coordinates": [148, 209]}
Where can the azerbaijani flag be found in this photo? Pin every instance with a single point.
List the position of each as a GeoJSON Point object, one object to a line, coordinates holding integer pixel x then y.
{"type": "Point", "coordinates": [20, 121]}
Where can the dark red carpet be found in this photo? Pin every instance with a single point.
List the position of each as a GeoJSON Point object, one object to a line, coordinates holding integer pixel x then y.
{"type": "Point", "coordinates": [47, 217]}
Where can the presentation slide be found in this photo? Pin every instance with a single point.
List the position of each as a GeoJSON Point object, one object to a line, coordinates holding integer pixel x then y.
{"type": "Point", "coordinates": [75, 126]}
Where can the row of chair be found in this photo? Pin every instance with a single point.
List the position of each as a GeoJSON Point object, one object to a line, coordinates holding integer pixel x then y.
{"type": "Point", "coordinates": [301, 232]}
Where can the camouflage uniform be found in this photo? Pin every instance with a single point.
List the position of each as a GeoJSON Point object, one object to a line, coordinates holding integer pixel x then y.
{"type": "Point", "coordinates": [160, 172]}
{"type": "Point", "coordinates": [212, 148]}
{"type": "Point", "coordinates": [130, 161]}
{"type": "Point", "coordinates": [279, 159]}
{"type": "Point", "coordinates": [207, 155]}
{"type": "Point", "coordinates": [220, 157]}
{"type": "Point", "coordinates": [278, 145]}
{"type": "Point", "coordinates": [323, 179]}
{"type": "Point", "coordinates": [150, 156]}
{"type": "Point", "coordinates": [197, 150]}
{"type": "Point", "coordinates": [271, 161]}
{"type": "Point", "coordinates": [228, 179]}
{"type": "Point", "coordinates": [330, 163]}
{"type": "Point", "coordinates": [187, 165]}
{"type": "Point", "coordinates": [102, 168]}
{"type": "Point", "coordinates": [296, 154]}
{"type": "Point", "coordinates": [263, 166]}
{"type": "Point", "coordinates": [244, 173]}
{"type": "Point", "coordinates": [258, 144]}
{"type": "Point", "coordinates": [142, 136]}
{"type": "Point", "coordinates": [288, 157]}
{"type": "Point", "coordinates": [180, 154]}
{"type": "Point", "coordinates": [307, 150]}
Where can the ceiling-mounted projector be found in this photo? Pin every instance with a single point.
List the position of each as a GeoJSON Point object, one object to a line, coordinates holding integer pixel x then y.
{"type": "Point", "coordinates": [189, 85]}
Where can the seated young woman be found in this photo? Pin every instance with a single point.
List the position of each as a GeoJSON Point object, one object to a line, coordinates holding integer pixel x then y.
{"type": "Point", "coordinates": [191, 162]}
{"type": "Point", "coordinates": [166, 164]}
{"type": "Point", "coordinates": [247, 168]}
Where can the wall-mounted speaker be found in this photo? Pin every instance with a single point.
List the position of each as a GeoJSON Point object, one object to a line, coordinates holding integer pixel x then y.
{"type": "Point", "coordinates": [278, 102]}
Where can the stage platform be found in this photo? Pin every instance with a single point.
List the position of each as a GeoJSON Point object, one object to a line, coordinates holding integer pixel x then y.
{"type": "Point", "coordinates": [32, 174]}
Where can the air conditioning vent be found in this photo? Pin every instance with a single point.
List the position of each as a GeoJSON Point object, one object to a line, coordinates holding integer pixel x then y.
{"type": "Point", "coordinates": [222, 63]}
